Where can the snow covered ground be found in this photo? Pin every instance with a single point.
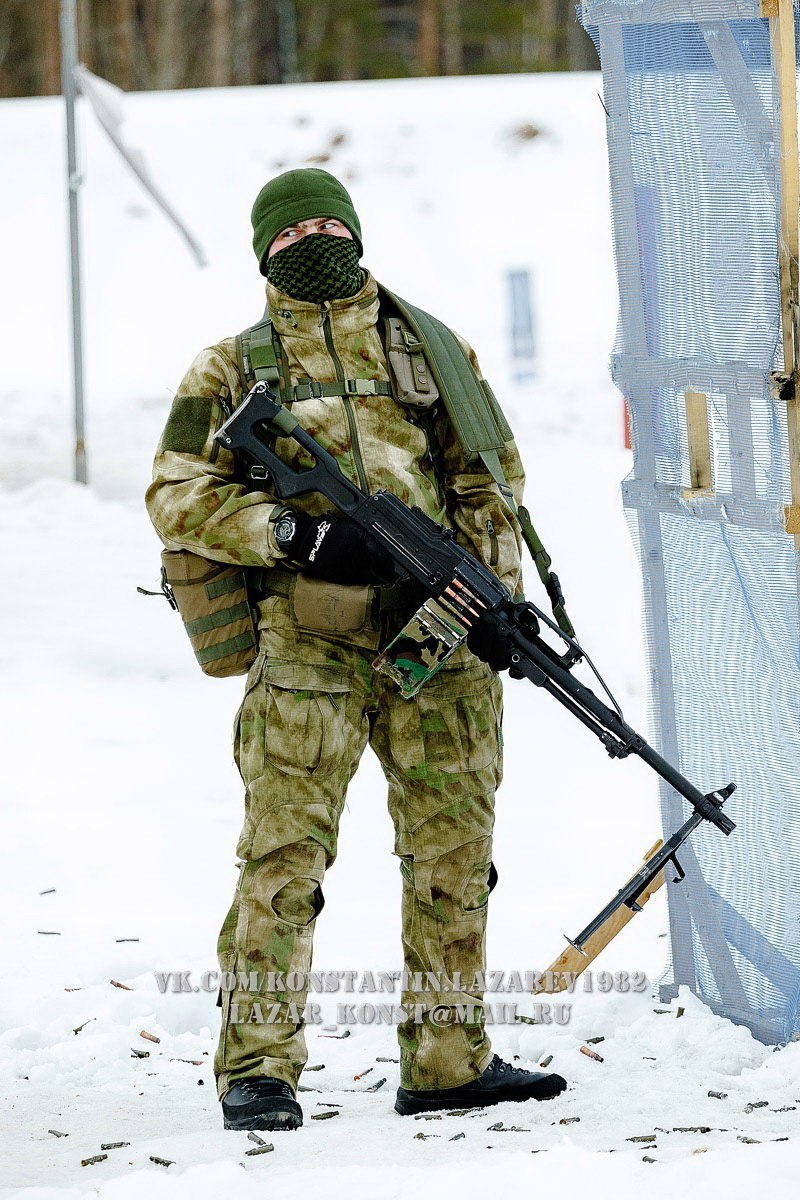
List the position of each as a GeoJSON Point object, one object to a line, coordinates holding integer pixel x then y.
{"type": "Point", "coordinates": [121, 805]}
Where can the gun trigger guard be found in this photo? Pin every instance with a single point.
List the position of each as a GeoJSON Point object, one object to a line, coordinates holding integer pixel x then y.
{"type": "Point", "coordinates": [527, 619]}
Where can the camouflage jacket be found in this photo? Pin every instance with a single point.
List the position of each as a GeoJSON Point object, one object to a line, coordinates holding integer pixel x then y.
{"type": "Point", "coordinates": [196, 502]}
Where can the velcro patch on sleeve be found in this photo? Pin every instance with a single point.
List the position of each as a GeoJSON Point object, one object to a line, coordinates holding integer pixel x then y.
{"type": "Point", "coordinates": [190, 421]}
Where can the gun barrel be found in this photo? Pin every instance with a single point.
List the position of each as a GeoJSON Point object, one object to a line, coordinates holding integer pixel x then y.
{"type": "Point", "coordinates": [429, 553]}
{"type": "Point", "coordinates": [619, 738]}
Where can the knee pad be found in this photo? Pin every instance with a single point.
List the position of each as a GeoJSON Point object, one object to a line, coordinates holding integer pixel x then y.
{"type": "Point", "coordinates": [459, 879]}
{"type": "Point", "coordinates": [287, 884]}
{"type": "Point", "coordinates": [298, 900]}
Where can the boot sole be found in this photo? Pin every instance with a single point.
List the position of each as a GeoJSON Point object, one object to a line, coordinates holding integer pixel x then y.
{"type": "Point", "coordinates": [406, 1104]}
{"type": "Point", "coordinates": [271, 1122]}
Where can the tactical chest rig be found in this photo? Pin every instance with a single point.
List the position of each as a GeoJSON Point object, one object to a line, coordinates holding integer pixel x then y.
{"type": "Point", "coordinates": [428, 366]}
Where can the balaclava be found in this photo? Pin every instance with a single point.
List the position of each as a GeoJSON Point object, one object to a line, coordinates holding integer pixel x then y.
{"type": "Point", "coordinates": [319, 266]}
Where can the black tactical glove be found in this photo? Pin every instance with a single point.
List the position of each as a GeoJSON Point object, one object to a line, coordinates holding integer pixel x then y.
{"type": "Point", "coordinates": [494, 646]}
{"type": "Point", "coordinates": [339, 550]}
{"type": "Point", "coordinates": [487, 643]}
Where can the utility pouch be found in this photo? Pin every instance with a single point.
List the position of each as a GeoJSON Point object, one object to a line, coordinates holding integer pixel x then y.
{"type": "Point", "coordinates": [414, 384]}
{"type": "Point", "coordinates": [323, 607]}
{"type": "Point", "coordinates": [422, 647]}
{"type": "Point", "coordinates": [214, 603]}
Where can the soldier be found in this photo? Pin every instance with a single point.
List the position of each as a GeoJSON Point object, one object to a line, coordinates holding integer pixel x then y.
{"type": "Point", "coordinates": [328, 602]}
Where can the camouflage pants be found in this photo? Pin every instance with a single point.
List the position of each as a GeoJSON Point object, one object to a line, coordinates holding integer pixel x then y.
{"type": "Point", "coordinates": [311, 705]}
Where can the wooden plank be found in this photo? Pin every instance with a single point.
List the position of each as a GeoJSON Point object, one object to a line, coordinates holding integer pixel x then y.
{"type": "Point", "coordinates": [782, 34]}
{"type": "Point", "coordinates": [573, 962]}
{"type": "Point", "coordinates": [699, 439]}
{"type": "Point", "coordinates": [782, 28]}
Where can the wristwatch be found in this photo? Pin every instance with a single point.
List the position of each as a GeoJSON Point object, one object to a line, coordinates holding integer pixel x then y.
{"type": "Point", "coordinates": [285, 529]}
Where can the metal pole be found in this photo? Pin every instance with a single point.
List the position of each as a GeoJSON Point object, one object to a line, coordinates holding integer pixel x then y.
{"type": "Point", "coordinates": [522, 344]}
{"type": "Point", "coordinates": [69, 60]}
{"type": "Point", "coordinates": [287, 42]}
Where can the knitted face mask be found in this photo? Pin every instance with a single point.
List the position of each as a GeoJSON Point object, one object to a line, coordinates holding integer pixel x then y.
{"type": "Point", "coordinates": [319, 267]}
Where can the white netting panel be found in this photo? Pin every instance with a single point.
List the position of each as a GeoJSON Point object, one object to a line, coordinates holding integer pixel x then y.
{"type": "Point", "coordinates": [694, 145]}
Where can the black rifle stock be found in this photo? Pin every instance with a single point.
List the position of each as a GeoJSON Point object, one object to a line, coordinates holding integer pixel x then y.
{"type": "Point", "coordinates": [428, 553]}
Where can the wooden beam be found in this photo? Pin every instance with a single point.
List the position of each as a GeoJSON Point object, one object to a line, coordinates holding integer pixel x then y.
{"type": "Point", "coordinates": [573, 962]}
{"type": "Point", "coordinates": [783, 52]}
{"type": "Point", "coordinates": [699, 441]}
{"type": "Point", "coordinates": [783, 49]}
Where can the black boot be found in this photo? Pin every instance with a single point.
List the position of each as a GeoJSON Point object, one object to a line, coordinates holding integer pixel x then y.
{"type": "Point", "coordinates": [261, 1104]}
{"type": "Point", "coordinates": [498, 1083]}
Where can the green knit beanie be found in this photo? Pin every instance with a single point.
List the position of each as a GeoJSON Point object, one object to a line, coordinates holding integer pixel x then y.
{"type": "Point", "coordinates": [298, 196]}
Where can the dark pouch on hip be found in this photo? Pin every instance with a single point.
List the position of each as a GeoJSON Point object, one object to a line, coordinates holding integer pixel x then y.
{"type": "Point", "coordinates": [214, 602]}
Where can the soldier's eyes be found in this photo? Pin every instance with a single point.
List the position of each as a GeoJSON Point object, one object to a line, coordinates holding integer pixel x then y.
{"type": "Point", "coordinates": [290, 233]}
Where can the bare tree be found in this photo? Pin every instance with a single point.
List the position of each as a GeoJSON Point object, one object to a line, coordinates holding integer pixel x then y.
{"type": "Point", "coordinates": [85, 33]}
{"type": "Point", "coordinates": [428, 36]}
{"type": "Point", "coordinates": [288, 42]}
{"type": "Point", "coordinates": [244, 42]}
{"type": "Point", "coordinates": [124, 41]}
{"type": "Point", "coordinates": [196, 43]}
{"type": "Point", "coordinates": [580, 49]}
{"type": "Point", "coordinates": [49, 48]}
{"type": "Point", "coordinates": [347, 46]}
{"type": "Point", "coordinates": [452, 41]}
{"type": "Point", "coordinates": [314, 18]}
{"type": "Point", "coordinates": [220, 25]}
{"type": "Point", "coordinates": [548, 34]}
{"type": "Point", "coordinates": [169, 58]}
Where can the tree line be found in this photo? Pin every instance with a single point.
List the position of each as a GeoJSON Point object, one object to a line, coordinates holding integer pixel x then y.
{"type": "Point", "coordinates": [142, 45]}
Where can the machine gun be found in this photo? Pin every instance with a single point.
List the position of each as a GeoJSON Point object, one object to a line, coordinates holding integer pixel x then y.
{"type": "Point", "coordinates": [460, 592]}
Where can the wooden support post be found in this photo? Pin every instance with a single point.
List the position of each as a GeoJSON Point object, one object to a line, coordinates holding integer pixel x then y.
{"type": "Point", "coordinates": [781, 21]}
{"type": "Point", "coordinates": [573, 962]}
{"type": "Point", "coordinates": [699, 440]}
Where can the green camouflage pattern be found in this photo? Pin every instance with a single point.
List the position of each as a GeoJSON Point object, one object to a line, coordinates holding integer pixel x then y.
{"type": "Point", "coordinates": [313, 701]}
{"type": "Point", "coordinates": [421, 648]}
{"type": "Point", "coordinates": [196, 504]}
{"type": "Point", "coordinates": [311, 706]}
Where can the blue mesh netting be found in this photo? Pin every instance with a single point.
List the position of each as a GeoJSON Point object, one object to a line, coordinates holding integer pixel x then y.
{"type": "Point", "coordinates": [693, 133]}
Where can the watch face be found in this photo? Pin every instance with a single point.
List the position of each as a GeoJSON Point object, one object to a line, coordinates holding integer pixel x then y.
{"type": "Point", "coordinates": [284, 530]}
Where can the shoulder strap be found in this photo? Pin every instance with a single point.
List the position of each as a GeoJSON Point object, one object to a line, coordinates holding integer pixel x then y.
{"type": "Point", "coordinates": [258, 352]}
{"type": "Point", "coordinates": [480, 426]}
{"type": "Point", "coordinates": [258, 355]}
{"type": "Point", "coordinates": [471, 406]}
